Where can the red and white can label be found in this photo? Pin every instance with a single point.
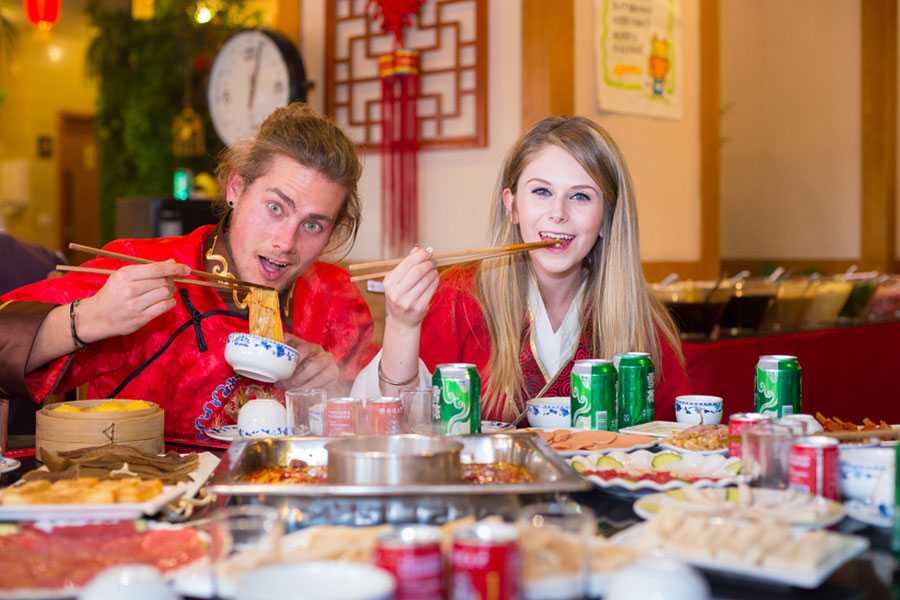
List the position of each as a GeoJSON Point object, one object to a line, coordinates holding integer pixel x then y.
{"type": "Point", "coordinates": [343, 416]}
{"type": "Point", "coordinates": [384, 416]}
{"type": "Point", "coordinates": [413, 555]}
{"type": "Point", "coordinates": [815, 467]}
{"type": "Point", "coordinates": [736, 423]}
{"type": "Point", "coordinates": [486, 566]}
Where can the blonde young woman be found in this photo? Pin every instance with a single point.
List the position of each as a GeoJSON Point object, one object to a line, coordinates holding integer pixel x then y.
{"type": "Point", "coordinates": [524, 319]}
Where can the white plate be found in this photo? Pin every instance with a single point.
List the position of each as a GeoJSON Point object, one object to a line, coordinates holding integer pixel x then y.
{"type": "Point", "coordinates": [496, 426]}
{"type": "Point", "coordinates": [114, 511]}
{"type": "Point", "coordinates": [570, 453]}
{"type": "Point", "coordinates": [852, 547]}
{"type": "Point", "coordinates": [792, 508]}
{"type": "Point", "coordinates": [722, 451]}
{"type": "Point", "coordinates": [225, 433]}
{"type": "Point", "coordinates": [658, 429]}
{"type": "Point", "coordinates": [9, 464]}
{"type": "Point", "coordinates": [711, 469]}
{"type": "Point", "coordinates": [869, 514]}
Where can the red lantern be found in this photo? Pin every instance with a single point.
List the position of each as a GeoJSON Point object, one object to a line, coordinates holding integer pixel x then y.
{"type": "Point", "coordinates": [43, 14]}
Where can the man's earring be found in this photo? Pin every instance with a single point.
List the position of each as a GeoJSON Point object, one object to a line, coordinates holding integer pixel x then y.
{"type": "Point", "coordinates": [231, 203]}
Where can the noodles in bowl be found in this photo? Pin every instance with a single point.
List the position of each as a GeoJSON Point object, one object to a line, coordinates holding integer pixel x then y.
{"type": "Point", "coordinates": [261, 354]}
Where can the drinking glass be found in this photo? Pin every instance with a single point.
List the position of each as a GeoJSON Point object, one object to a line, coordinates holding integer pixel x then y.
{"type": "Point", "coordinates": [765, 450]}
{"type": "Point", "coordinates": [418, 405]}
{"type": "Point", "coordinates": [299, 402]}
{"type": "Point", "coordinates": [560, 536]}
{"type": "Point", "coordinates": [242, 537]}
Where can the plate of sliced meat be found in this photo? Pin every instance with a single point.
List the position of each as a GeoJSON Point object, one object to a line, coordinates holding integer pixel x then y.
{"type": "Point", "coordinates": [571, 441]}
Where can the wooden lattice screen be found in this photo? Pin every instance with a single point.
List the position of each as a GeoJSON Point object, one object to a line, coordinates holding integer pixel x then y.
{"type": "Point", "coordinates": [451, 36]}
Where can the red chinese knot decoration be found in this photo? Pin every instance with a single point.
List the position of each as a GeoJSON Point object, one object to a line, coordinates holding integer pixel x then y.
{"type": "Point", "coordinates": [399, 75]}
{"type": "Point", "coordinates": [42, 14]}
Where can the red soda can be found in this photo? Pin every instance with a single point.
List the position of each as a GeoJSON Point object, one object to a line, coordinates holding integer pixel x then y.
{"type": "Point", "coordinates": [384, 416]}
{"type": "Point", "coordinates": [413, 554]}
{"type": "Point", "coordinates": [736, 424]}
{"type": "Point", "coordinates": [815, 466]}
{"type": "Point", "coordinates": [485, 562]}
{"type": "Point", "coordinates": [343, 416]}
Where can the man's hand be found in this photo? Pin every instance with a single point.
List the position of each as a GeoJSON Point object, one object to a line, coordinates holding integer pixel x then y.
{"type": "Point", "coordinates": [133, 296]}
{"type": "Point", "coordinates": [315, 368]}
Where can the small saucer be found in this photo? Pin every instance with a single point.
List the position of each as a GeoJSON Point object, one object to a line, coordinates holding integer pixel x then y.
{"type": "Point", "coordinates": [9, 464]}
{"type": "Point", "coordinates": [225, 433]}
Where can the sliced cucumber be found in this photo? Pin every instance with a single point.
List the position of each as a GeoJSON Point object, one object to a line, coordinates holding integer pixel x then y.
{"type": "Point", "coordinates": [665, 458]}
{"type": "Point", "coordinates": [608, 462]}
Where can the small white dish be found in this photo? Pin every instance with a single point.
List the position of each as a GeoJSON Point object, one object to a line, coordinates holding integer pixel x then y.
{"type": "Point", "coordinates": [860, 470]}
{"type": "Point", "coordinates": [496, 426]}
{"type": "Point", "coordinates": [660, 429]}
{"type": "Point", "coordinates": [8, 465]}
{"type": "Point", "coordinates": [225, 433]}
{"type": "Point", "coordinates": [696, 409]}
{"type": "Point", "coordinates": [262, 417]}
{"type": "Point", "coordinates": [657, 578]}
{"type": "Point", "coordinates": [549, 412]}
{"type": "Point", "coordinates": [722, 451]}
{"type": "Point", "coordinates": [260, 358]}
{"type": "Point", "coordinates": [319, 580]}
{"type": "Point", "coordinates": [128, 582]}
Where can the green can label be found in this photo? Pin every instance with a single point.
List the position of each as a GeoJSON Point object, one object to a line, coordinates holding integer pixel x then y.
{"type": "Point", "coordinates": [457, 409]}
{"type": "Point", "coordinates": [594, 395]}
{"type": "Point", "coordinates": [777, 386]}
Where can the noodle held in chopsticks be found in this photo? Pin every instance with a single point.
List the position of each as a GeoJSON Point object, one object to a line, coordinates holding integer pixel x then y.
{"type": "Point", "coordinates": [265, 314]}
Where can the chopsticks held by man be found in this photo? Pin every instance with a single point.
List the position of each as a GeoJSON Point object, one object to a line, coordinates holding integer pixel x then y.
{"type": "Point", "coordinates": [285, 196]}
{"type": "Point", "coordinates": [523, 319]}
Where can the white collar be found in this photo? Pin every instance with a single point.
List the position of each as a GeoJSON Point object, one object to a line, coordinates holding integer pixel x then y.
{"type": "Point", "coordinates": [553, 348]}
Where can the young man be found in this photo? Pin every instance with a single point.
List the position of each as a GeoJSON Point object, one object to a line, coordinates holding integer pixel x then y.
{"type": "Point", "coordinates": [287, 195]}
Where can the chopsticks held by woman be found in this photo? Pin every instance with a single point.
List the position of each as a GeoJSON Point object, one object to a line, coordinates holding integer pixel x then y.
{"type": "Point", "coordinates": [285, 196]}
{"type": "Point", "coordinates": [523, 319]}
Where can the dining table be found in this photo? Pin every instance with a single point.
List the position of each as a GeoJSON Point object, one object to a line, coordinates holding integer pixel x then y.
{"type": "Point", "coordinates": [874, 574]}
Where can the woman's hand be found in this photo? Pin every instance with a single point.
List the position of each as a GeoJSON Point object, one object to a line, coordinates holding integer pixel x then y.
{"type": "Point", "coordinates": [133, 296]}
{"type": "Point", "coordinates": [315, 368]}
{"type": "Point", "coordinates": [408, 288]}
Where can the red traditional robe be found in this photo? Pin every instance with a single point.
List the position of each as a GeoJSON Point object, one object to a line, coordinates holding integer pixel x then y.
{"type": "Point", "coordinates": [454, 330]}
{"type": "Point", "coordinates": [177, 360]}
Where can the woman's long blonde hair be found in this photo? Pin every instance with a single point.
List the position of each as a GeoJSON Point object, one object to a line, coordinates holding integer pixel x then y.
{"type": "Point", "coordinates": [624, 316]}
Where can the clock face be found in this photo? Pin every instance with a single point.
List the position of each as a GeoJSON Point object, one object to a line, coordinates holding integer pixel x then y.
{"type": "Point", "coordinates": [250, 78]}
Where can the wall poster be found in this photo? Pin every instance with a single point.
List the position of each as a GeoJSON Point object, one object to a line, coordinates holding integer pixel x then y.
{"type": "Point", "coordinates": [637, 53]}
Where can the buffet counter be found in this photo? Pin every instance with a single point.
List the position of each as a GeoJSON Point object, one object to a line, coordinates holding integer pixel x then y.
{"type": "Point", "coordinates": [850, 372]}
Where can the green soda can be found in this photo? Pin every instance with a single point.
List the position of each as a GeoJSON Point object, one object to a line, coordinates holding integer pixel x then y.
{"type": "Point", "coordinates": [650, 372]}
{"type": "Point", "coordinates": [594, 395]}
{"type": "Point", "coordinates": [778, 385]}
{"type": "Point", "coordinates": [457, 405]}
{"type": "Point", "coordinates": [636, 388]}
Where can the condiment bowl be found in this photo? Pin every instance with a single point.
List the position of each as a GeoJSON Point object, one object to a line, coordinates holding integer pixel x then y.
{"type": "Point", "coordinates": [260, 358]}
{"type": "Point", "coordinates": [696, 409]}
{"type": "Point", "coordinates": [317, 580]}
{"type": "Point", "coordinates": [262, 417]}
{"type": "Point", "coordinates": [860, 470]}
{"type": "Point", "coordinates": [549, 411]}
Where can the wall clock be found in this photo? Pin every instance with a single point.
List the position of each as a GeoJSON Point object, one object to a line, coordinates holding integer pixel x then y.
{"type": "Point", "coordinates": [255, 72]}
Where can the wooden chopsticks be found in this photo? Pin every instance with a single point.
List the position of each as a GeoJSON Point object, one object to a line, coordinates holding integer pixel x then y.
{"type": "Point", "coordinates": [448, 258]}
{"type": "Point", "coordinates": [213, 284]}
{"type": "Point", "coordinates": [135, 259]}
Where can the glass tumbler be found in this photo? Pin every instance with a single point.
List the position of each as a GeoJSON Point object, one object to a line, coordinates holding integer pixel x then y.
{"type": "Point", "coordinates": [418, 407]}
{"type": "Point", "coordinates": [242, 537]}
{"type": "Point", "coordinates": [304, 406]}
{"type": "Point", "coordinates": [556, 540]}
{"type": "Point", "coordinates": [765, 451]}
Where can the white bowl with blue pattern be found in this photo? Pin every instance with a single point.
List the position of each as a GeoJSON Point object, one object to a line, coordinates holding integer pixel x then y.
{"type": "Point", "coordinates": [861, 468]}
{"type": "Point", "coordinates": [260, 358]}
{"type": "Point", "coordinates": [549, 412]}
{"type": "Point", "coordinates": [696, 409]}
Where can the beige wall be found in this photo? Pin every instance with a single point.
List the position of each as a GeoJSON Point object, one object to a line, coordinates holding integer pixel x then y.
{"type": "Point", "coordinates": [790, 159]}
{"type": "Point", "coordinates": [663, 154]}
{"type": "Point", "coordinates": [454, 185]}
{"type": "Point", "coordinates": [47, 75]}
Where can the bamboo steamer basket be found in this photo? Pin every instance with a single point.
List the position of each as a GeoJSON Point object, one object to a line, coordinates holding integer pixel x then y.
{"type": "Point", "coordinates": [60, 431]}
